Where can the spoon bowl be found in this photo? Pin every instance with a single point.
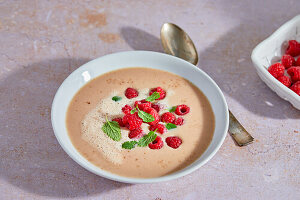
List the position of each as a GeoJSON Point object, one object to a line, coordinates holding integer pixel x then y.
{"type": "Point", "coordinates": [177, 43]}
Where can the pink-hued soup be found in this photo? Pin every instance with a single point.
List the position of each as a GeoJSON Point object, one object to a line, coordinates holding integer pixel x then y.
{"type": "Point", "coordinates": [88, 108]}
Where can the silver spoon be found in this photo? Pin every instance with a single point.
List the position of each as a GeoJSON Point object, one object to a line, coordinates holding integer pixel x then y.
{"type": "Point", "coordinates": [176, 42]}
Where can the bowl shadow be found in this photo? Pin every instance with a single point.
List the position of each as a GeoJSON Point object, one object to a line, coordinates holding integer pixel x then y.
{"type": "Point", "coordinates": [31, 157]}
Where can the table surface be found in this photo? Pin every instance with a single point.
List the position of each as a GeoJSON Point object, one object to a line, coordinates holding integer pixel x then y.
{"type": "Point", "coordinates": [42, 42]}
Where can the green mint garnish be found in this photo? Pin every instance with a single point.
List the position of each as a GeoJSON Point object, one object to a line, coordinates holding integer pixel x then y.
{"type": "Point", "coordinates": [129, 144]}
{"type": "Point", "coordinates": [170, 126]}
{"type": "Point", "coordinates": [146, 117]}
{"type": "Point", "coordinates": [147, 139]}
{"type": "Point", "coordinates": [112, 129]}
{"type": "Point", "coordinates": [116, 98]}
{"type": "Point", "coordinates": [153, 97]}
{"type": "Point", "coordinates": [172, 109]}
{"type": "Point", "coordinates": [143, 142]}
{"type": "Point", "coordinates": [133, 111]}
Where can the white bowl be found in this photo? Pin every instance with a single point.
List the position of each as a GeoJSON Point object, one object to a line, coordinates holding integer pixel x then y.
{"type": "Point", "coordinates": [146, 59]}
{"type": "Point", "coordinates": [270, 51]}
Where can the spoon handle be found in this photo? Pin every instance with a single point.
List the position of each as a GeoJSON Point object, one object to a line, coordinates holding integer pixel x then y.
{"type": "Point", "coordinates": [238, 132]}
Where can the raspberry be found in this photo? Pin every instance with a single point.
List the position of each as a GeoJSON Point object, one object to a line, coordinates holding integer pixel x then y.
{"type": "Point", "coordinates": [276, 70]}
{"type": "Point", "coordinates": [296, 87]}
{"type": "Point", "coordinates": [298, 62]}
{"type": "Point", "coordinates": [168, 117]}
{"type": "Point", "coordinates": [136, 133]}
{"type": "Point", "coordinates": [285, 80]}
{"type": "Point", "coordinates": [173, 142]}
{"type": "Point", "coordinates": [126, 109]}
{"type": "Point", "coordinates": [293, 48]}
{"type": "Point", "coordinates": [294, 72]}
{"type": "Point", "coordinates": [152, 112]}
{"type": "Point", "coordinates": [125, 119]}
{"type": "Point", "coordinates": [161, 92]}
{"type": "Point", "coordinates": [119, 120]}
{"type": "Point", "coordinates": [287, 61]}
{"type": "Point", "coordinates": [156, 107]}
{"type": "Point", "coordinates": [132, 121]}
{"type": "Point", "coordinates": [160, 128]}
{"type": "Point", "coordinates": [182, 109]}
{"type": "Point", "coordinates": [142, 104]}
{"type": "Point", "coordinates": [131, 93]}
{"type": "Point", "coordinates": [179, 121]}
{"type": "Point", "coordinates": [156, 144]}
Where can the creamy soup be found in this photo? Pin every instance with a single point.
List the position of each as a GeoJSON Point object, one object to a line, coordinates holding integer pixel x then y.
{"type": "Point", "coordinates": [91, 105]}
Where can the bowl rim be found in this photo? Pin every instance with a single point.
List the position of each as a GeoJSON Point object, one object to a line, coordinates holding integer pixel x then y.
{"type": "Point", "coordinates": [106, 174]}
{"type": "Point", "coordinates": [262, 69]}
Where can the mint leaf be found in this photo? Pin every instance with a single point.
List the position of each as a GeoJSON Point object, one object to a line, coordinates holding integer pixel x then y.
{"type": "Point", "coordinates": [170, 126]}
{"type": "Point", "coordinates": [129, 144]}
{"type": "Point", "coordinates": [133, 111]}
{"type": "Point", "coordinates": [172, 109]}
{"type": "Point", "coordinates": [153, 97]}
{"type": "Point", "coordinates": [112, 129]}
{"type": "Point", "coordinates": [147, 139]}
{"type": "Point", "coordinates": [146, 117]}
{"type": "Point", "coordinates": [116, 98]}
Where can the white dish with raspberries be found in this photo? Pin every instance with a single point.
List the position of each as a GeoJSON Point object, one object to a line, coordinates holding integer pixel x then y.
{"type": "Point", "coordinates": [277, 61]}
{"type": "Point", "coordinates": [132, 59]}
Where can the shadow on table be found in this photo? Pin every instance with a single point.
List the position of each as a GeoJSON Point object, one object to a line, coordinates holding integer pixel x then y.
{"type": "Point", "coordinates": [229, 63]}
{"type": "Point", "coordinates": [31, 158]}
{"type": "Point", "coordinates": [141, 40]}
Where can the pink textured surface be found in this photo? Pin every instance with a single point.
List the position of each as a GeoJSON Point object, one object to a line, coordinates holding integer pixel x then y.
{"type": "Point", "coordinates": [44, 41]}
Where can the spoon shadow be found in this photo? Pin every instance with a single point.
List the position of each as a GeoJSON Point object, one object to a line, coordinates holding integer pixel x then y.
{"type": "Point", "coordinates": [141, 40]}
